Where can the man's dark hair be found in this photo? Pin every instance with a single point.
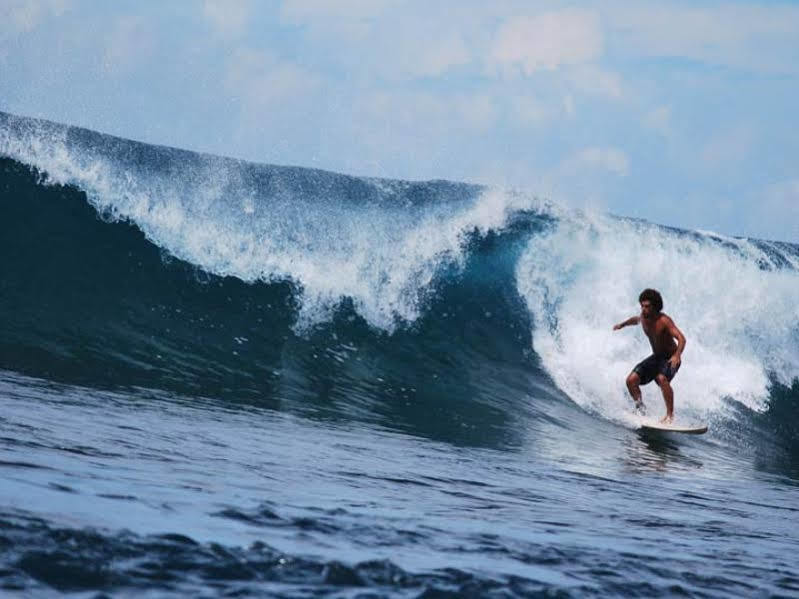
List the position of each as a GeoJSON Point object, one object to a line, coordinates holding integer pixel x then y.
{"type": "Point", "coordinates": [653, 297]}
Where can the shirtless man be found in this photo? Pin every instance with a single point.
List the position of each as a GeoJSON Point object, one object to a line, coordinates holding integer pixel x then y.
{"type": "Point", "coordinates": [665, 360]}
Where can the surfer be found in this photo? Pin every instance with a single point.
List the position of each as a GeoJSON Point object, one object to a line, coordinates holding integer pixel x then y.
{"type": "Point", "coordinates": [665, 360]}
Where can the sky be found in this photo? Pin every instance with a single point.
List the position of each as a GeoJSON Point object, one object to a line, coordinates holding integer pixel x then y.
{"type": "Point", "coordinates": [679, 112]}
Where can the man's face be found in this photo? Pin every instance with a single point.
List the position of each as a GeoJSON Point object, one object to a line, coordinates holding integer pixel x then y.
{"type": "Point", "coordinates": [646, 309]}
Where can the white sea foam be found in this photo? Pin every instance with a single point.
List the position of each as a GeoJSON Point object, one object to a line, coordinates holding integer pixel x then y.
{"type": "Point", "coordinates": [383, 256]}
{"type": "Point", "coordinates": [741, 322]}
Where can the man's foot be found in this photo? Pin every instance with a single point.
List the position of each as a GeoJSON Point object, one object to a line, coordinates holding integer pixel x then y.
{"type": "Point", "coordinates": [640, 408]}
{"type": "Point", "coordinates": [667, 419]}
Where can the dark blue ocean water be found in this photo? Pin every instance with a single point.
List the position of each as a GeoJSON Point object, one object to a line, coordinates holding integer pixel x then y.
{"type": "Point", "coordinates": [221, 378]}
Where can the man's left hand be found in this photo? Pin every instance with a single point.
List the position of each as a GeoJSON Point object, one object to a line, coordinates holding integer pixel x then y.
{"type": "Point", "coordinates": [674, 361]}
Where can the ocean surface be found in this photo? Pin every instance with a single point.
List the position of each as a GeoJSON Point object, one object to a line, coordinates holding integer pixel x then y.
{"type": "Point", "coordinates": [221, 378]}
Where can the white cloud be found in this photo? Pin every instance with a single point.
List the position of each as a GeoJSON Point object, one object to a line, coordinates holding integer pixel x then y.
{"type": "Point", "coordinates": [385, 40]}
{"type": "Point", "coordinates": [437, 56]}
{"type": "Point", "coordinates": [731, 34]}
{"type": "Point", "coordinates": [229, 18]}
{"type": "Point", "coordinates": [345, 22]}
{"type": "Point", "coordinates": [606, 158]}
{"type": "Point", "coordinates": [305, 11]}
{"type": "Point", "coordinates": [546, 41]}
{"type": "Point", "coordinates": [595, 81]}
{"type": "Point", "coordinates": [20, 16]}
{"type": "Point", "coordinates": [381, 40]}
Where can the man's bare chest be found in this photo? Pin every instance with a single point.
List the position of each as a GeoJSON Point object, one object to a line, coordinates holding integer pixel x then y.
{"type": "Point", "coordinates": [655, 329]}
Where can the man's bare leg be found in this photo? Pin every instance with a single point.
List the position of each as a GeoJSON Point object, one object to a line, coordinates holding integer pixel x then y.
{"type": "Point", "coordinates": [634, 387]}
{"type": "Point", "coordinates": [668, 397]}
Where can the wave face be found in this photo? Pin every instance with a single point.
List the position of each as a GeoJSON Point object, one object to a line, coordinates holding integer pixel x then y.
{"type": "Point", "coordinates": [127, 264]}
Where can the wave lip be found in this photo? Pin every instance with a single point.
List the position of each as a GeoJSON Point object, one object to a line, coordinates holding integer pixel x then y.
{"type": "Point", "coordinates": [378, 242]}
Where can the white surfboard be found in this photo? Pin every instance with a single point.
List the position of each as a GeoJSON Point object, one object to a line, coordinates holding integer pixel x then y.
{"type": "Point", "coordinates": [696, 429]}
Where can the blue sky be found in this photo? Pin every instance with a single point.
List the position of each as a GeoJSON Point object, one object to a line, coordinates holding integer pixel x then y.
{"type": "Point", "coordinates": [683, 113]}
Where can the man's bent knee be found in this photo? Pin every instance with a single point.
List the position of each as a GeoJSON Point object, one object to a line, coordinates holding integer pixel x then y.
{"type": "Point", "coordinates": [662, 380]}
{"type": "Point", "coordinates": [633, 379]}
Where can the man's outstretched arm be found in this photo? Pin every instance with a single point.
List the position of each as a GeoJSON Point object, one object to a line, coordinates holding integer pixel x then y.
{"type": "Point", "coordinates": [628, 322]}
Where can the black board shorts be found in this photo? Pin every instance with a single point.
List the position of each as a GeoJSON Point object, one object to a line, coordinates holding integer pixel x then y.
{"type": "Point", "coordinates": [654, 365]}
